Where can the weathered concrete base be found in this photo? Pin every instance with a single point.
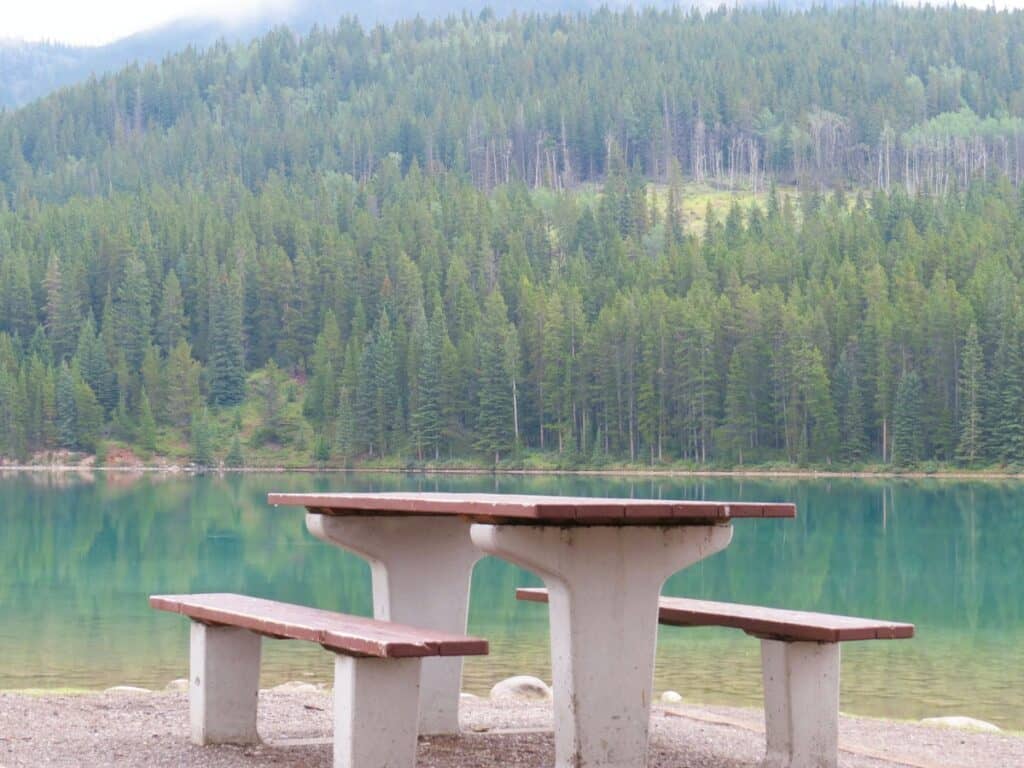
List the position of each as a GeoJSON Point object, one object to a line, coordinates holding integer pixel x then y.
{"type": "Point", "coordinates": [604, 584]}
{"type": "Point", "coordinates": [375, 712]}
{"type": "Point", "coordinates": [421, 569]}
{"type": "Point", "coordinates": [801, 704]}
{"type": "Point", "coordinates": [224, 684]}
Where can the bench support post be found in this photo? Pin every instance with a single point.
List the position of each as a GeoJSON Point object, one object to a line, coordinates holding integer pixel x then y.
{"type": "Point", "coordinates": [801, 703]}
{"type": "Point", "coordinates": [604, 584]}
{"type": "Point", "coordinates": [224, 684]}
{"type": "Point", "coordinates": [375, 706]}
{"type": "Point", "coordinates": [421, 569]}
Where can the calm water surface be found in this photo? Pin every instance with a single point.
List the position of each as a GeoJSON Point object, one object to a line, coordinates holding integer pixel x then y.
{"type": "Point", "coordinates": [79, 555]}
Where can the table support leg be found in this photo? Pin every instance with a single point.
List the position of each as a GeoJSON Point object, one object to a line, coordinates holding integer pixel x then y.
{"type": "Point", "coordinates": [375, 712]}
{"type": "Point", "coordinates": [604, 584]}
{"type": "Point", "coordinates": [224, 684]}
{"type": "Point", "coordinates": [801, 704]}
{"type": "Point", "coordinates": [421, 569]}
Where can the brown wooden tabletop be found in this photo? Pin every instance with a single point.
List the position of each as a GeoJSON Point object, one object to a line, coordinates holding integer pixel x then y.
{"type": "Point", "coordinates": [538, 510]}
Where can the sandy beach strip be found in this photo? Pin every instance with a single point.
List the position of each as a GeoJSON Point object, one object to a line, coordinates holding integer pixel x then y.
{"type": "Point", "coordinates": [149, 730]}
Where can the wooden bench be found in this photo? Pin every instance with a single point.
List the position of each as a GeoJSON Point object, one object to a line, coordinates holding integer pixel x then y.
{"type": "Point", "coordinates": [376, 672]}
{"type": "Point", "coordinates": [799, 663]}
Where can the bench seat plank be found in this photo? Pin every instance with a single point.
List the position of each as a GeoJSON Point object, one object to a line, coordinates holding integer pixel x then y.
{"type": "Point", "coordinates": [351, 635]}
{"type": "Point", "coordinates": [772, 623]}
{"type": "Point", "coordinates": [550, 510]}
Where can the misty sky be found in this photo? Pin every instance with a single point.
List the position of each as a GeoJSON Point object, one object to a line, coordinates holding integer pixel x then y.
{"type": "Point", "coordinates": [94, 22]}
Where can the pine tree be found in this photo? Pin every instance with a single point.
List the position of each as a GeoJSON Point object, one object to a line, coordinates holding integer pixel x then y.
{"type": "Point", "coordinates": [320, 401]}
{"type": "Point", "coordinates": [272, 427]}
{"type": "Point", "coordinates": [88, 416]}
{"type": "Point", "coordinates": [133, 313]}
{"type": "Point", "coordinates": [235, 458]}
{"type": "Point", "coordinates": [1009, 434]}
{"type": "Point", "coordinates": [227, 354]}
{"type": "Point", "coordinates": [200, 439]}
{"type": "Point", "coordinates": [66, 416]}
{"type": "Point", "coordinates": [171, 325]}
{"type": "Point", "coordinates": [17, 309]}
{"type": "Point", "coordinates": [907, 440]}
{"type": "Point", "coordinates": [849, 397]}
{"type": "Point", "coordinates": [426, 419]}
{"type": "Point", "coordinates": [494, 430]}
{"type": "Point", "coordinates": [147, 424]}
{"type": "Point", "coordinates": [62, 311]}
{"type": "Point", "coordinates": [94, 366]}
{"type": "Point", "coordinates": [970, 383]}
{"type": "Point", "coordinates": [739, 413]}
{"type": "Point", "coordinates": [387, 405]}
{"type": "Point", "coordinates": [182, 378]}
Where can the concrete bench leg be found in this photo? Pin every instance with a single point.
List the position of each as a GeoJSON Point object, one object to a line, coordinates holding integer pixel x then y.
{"type": "Point", "coordinates": [224, 684]}
{"type": "Point", "coordinates": [604, 584]}
{"type": "Point", "coordinates": [801, 704]}
{"type": "Point", "coordinates": [375, 708]}
{"type": "Point", "coordinates": [421, 569]}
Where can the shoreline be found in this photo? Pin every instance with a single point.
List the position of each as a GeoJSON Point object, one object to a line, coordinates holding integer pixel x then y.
{"type": "Point", "coordinates": [795, 474]}
{"type": "Point", "coordinates": [150, 729]}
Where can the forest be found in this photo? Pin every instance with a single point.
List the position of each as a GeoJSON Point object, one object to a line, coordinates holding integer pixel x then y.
{"type": "Point", "coordinates": [468, 241]}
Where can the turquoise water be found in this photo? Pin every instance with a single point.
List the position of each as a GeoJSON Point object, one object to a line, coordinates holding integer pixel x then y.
{"type": "Point", "coordinates": [80, 553]}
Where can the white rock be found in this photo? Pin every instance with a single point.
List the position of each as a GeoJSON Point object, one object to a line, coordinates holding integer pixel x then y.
{"type": "Point", "coordinates": [521, 688]}
{"type": "Point", "coordinates": [671, 698]}
{"type": "Point", "coordinates": [181, 684]}
{"type": "Point", "coordinates": [958, 721]}
{"type": "Point", "coordinates": [468, 696]}
{"type": "Point", "coordinates": [126, 689]}
{"type": "Point", "coordinates": [295, 686]}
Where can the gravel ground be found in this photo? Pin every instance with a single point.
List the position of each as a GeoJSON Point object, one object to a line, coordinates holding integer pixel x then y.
{"type": "Point", "coordinates": [150, 730]}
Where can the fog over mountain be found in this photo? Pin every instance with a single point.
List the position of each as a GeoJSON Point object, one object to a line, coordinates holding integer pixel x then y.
{"type": "Point", "coordinates": [29, 70]}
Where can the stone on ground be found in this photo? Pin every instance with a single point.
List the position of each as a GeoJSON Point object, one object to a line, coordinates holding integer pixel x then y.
{"type": "Point", "coordinates": [671, 698]}
{"type": "Point", "coordinates": [521, 688]}
{"type": "Point", "coordinates": [959, 721]}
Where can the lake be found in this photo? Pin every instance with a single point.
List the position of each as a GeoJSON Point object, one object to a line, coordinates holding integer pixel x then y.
{"type": "Point", "coordinates": [80, 553]}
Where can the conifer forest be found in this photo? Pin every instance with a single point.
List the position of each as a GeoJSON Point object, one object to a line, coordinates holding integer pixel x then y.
{"type": "Point", "coordinates": [738, 237]}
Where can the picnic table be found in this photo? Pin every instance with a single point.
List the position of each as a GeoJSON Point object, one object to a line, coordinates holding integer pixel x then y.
{"type": "Point", "coordinates": [603, 561]}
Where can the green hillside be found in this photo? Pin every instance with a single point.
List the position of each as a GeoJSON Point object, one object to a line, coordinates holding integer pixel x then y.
{"type": "Point", "coordinates": [654, 238]}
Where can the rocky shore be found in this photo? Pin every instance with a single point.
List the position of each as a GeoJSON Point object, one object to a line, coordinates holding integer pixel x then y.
{"type": "Point", "coordinates": [126, 727]}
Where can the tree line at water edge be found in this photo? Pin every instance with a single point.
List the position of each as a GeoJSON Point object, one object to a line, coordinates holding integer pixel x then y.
{"type": "Point", "coordinates": [417, 317]}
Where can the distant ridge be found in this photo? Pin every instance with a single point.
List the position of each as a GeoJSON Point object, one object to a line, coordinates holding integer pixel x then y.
{"type": "Point", "coordinates": [31, 70]}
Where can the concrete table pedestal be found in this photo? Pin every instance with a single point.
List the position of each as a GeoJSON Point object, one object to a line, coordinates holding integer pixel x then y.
{"type": "Point", "coordinates": [604, 583]}
{"type": "Point", "coordinates": [421, 569]}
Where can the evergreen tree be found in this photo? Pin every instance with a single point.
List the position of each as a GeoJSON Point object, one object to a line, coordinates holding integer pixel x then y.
{"type": "Point", "coordinates": [62, 310]}
{"type": "Point", "coordinates": [235, 458]}
{"type": "Point", "coordinates": [387, 406]}
{"type": "Point", "coordinates": [88, 416]}
{"type": "Point", "coordinates": [494, 419]}
{"type": "Point", "coordinates": [320, 403]}
{"type": "Point", "coordinates": [227, 356]}
{"type": "Point", "coordinates": [850, 404]}
{"type": "Point", "coordinates": [1009, 435]}
{"type": "Point", "coordinates": [92, 362]}
{"type": "Point", "coordinates": [17, 307]}
{"type": "Point", "coordinates": [426, 419]}
{"type": "Point", "coordinates": [182, 377]}
{"type": "Point", "coordinates": [907, 440]}
{"type": "Point", "coordinates": [133, 313]}
{"type": "Point", "coordinates": [970, 382]}
{"type": "Point", "coordinates": [201, 439]}
{"type": "Point", "coordinates": [66, 415]}
{"type": "Point", "coordinates": [171, 325]}
{"type": "Point", "coordinates": [147, 424]}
